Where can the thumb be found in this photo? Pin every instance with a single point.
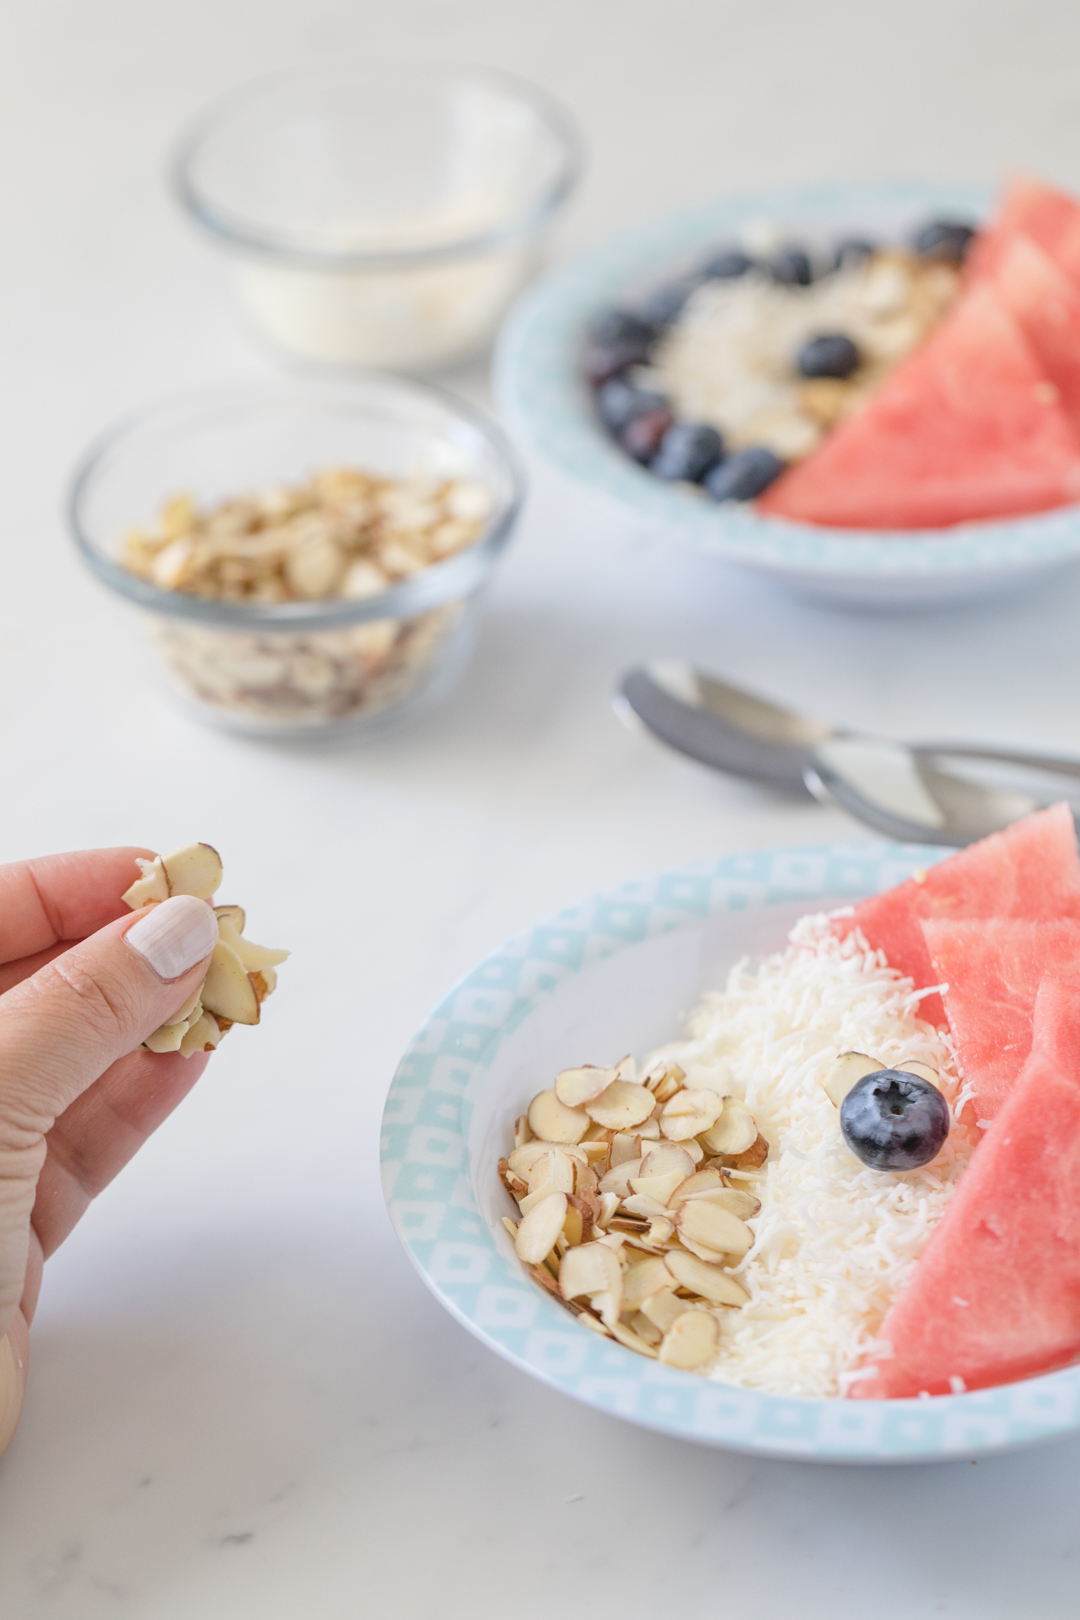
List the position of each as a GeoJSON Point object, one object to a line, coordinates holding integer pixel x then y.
{"type": "Point", "coordinates": [62, 1028]}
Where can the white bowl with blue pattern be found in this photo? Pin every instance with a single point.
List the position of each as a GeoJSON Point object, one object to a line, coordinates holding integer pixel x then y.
{"type": "Point", "coordinates": [548, 406]}
{"type": "Point", "coordinates": [619, 973]}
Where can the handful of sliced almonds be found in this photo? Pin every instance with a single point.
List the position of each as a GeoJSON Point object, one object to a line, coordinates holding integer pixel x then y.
{"type": "Point", "coordinates": [241, 974]}
{"type": "Point", "coordinates": [628, 1211]}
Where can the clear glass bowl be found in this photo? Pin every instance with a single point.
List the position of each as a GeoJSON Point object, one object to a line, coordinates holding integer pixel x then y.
{"type": "Point", "coordinates": [383, 213]}
{"type": "Point", "coordinates": [302, 667]}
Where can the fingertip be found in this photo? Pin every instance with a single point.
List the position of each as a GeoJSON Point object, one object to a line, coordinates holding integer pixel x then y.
{"type": "Point", "coordinates": [14, 1365]}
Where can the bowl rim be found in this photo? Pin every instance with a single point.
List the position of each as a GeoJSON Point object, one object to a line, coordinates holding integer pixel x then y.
{"type": "Point", "coordinates": [544, 399]}
{"type": "Point", "coordinates": [457, 577]}
{"type": "Point", "coordinates": [256, 240]}
{"type": "Point", "coordinates": [429, 1194]}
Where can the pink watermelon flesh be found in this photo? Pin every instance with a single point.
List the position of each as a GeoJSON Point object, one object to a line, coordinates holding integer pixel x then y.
{"type": "Point", "coordinates": [1048, 217]}
{"type": "Point", "coordinates": [965, 428]}
{"type": "Point", "coordinates": [994, 967]}
{"type": "Point", "coordinates": [1047, 306]}
{"type": "Point", "coordinates": [1031, 870]}
{"type": "Point", "coordinates": [995, 1295]}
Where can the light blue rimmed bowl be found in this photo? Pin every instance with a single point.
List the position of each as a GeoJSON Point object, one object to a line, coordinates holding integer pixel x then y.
{"type": "Point", "coordinates": [618, 973]}
{"type": "Point", "coordinates": [548, 407]}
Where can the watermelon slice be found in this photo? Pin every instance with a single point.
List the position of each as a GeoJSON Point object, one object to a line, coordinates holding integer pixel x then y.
{"type": "Point", "coordinates": [967, 427]}
{"type": "Point", "coordinates": [1047, 306]}
{"type": "Point", "coordinates": [994, 968]}
{"type": "Point", "coordinates": [1030, 870]}
{"type": "Point", "coordinates": [995, 1295]}
{"type": "Point", "coordinates": [1029, 208]}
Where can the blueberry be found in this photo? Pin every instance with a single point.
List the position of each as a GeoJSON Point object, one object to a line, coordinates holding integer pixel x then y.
{"type": "Point", "coordinates": [687, 451]}
{"type": "Point", "coordinates": [894, 1121]}
{"type": "Point", "coordinates": [744, 474]}
{"type": "Point", "coordinates": [618, 403]}
{"type": "Point", "coordinates": [831, 354]}
{"type": "Point", "coordinates": [619, 340]}
{"type": "Point", "coordinates": [791, 267]}
{"type": "Point", "coordinates": [727, 265]}
{"type": "Point", "coordinates": [944, 239]}
{"type": "Point", "coordinates": [665, 304]}
{"type": "Point", "coordinates": [622, 326]}
{"type": "Point", "coordinates": [641, 437]}
{"type": "Point", "coordinates": [852, 250]}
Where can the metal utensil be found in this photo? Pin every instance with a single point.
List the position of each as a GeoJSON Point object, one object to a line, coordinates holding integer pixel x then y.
{"type": "Point", "coordinates": [940, 793]}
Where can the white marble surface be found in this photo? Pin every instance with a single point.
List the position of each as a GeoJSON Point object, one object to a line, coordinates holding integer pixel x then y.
{"type": "Point", "coordinates": [243, 1403]}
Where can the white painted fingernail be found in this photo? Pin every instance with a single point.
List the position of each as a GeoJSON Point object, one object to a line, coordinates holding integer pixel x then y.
{"type": "Point", "coordinates": [175, 935]}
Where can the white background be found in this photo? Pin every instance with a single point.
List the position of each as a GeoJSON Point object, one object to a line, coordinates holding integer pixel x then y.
{"type": "Point", "coordinates": [243, 1403]}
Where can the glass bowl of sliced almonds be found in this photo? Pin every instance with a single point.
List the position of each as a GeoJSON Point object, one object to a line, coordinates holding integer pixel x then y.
{"type": "Point", "coordinates": [308, 552]}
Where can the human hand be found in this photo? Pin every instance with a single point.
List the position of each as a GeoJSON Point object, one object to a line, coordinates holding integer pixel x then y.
{"type": "Point", "coordinates": [83, 981]}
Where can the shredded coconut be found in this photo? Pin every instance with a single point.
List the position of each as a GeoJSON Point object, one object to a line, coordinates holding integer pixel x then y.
{"type": "Point", "coordinates": [834, 1240]}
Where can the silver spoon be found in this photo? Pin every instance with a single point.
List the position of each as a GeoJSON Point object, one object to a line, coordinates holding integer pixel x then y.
{"type": "Point", "coordinates": [941, 793]}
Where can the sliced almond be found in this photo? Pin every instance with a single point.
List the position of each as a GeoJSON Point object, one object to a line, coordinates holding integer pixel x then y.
{"type": "Point", "coordinates": [621, 1106]}
{"type": "Point", "coordinates": [587, 1212]}
{"type": "Point", "coordinates": [228, 989]}
{"type": "Point", "coordinates": [646, 1330]}
{"type": "Point", "coordinates": [574, 1087]}
{"type": "Point", "coordinates": [922, 1071]}
{"type": "Point", "coordinates": [554, 1170]}
{"type": "Point", "coordinates": [264, 983]}
{"type": "Point", "coordinates": [734, 1131]}
{"type": "Point", "coordinates": [661, 1229]}
{"type": "Point", "coordinates": [254, 957]}
{"type": "Point", "coordinates": [848, 1068]}
{"type": "Point", "coordinates": [694, 1148]}
{"type": "Point", "coordinates": [232, 914]}
{"type": "Point", "coordinates": [720, 1287]}
{"type": "Point", "coordinates": [658, 1187]}
{"type": "Point", "coordinates": [522, 1131]}
{"type": "Point", "coordinates": [545, 1279]}
{"type": "Point", "coordinates": [624, 1148]}
{"type": "Point", "coordinates": [596, 1153]}
{"type": "Point", "coordinates": [701, 1181]}
{"type": "Point", "coordinates": [665, 1084]}
{"type": "Point", "coordinates": [633, 1341]}
{"type": "Point", "coordinates": [734, 1199]}
{"type": "Point", "coordinates": [609, 1203]}
{"type": "Point", "coordinates": [183, 1016]}
{"type": "Point", "coordinates": [169, 1038]}
{"type": "Point", "coordinates": [151, 888]}
{"type": "Point", "coordinates": [593, 1268]}
{"type": "Point", "coordinates": [712, 1257]}
{"type": "Point", "coordinates": [524, 1157]}
{"type": "Point", "coordinates": [617, 1180]}
{"type": "Point", "coordinates": [202, 1036]}
{"type": "Point", "coordinates": [667, 1158]}
{"type": "Point", "coordinates": [650, 1130]}
{"type": "Point", "coordinates": [194, 869]}
{"type": "Point", "coordinates": [552, 1120]}
{"type": "Point", "coordinates": [664, 1309]}
{"type": "Point", "coordinates": [511, 1226]}
{"type": "Point", "coordinates": [591, 1322]}
{"type": "Point", "coordinates": [715, 1228]}
{"type": "Point", "coordinates": [753, 1158]}
{"type": "Point", "coordinates": [692, 1341]}
{"type": "Point", "coordinates": [645, 1278]}
{"type": "Point", "coordinates": [540, 1227]}
{"type": "Point", "coordinates": [689, 1113]}
{"type": "Point", "coordinates": [643, 1204]}
{"type": "Point", "coordinates": [574, 1226]}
